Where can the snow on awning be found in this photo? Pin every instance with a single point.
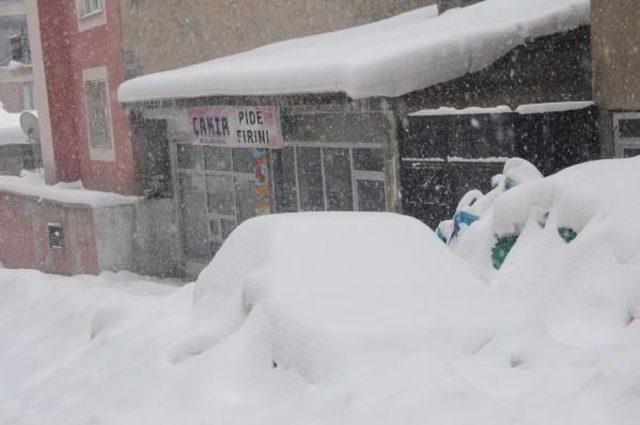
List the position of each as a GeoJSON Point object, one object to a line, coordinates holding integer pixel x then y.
{"type": "Point", "coordinates": [391, 57]}
{"type": "Point", "coordinates": [533, 108]}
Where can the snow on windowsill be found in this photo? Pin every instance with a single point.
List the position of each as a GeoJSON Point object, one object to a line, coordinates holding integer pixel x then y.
{"type": "Point", "coordinates": [33, 184]}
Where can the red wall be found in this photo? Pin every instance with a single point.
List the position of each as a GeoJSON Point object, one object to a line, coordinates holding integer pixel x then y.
{"type": "Point", "coordinates": [24, 237]}
{"type": "Point", "coordinates": [66, 53]}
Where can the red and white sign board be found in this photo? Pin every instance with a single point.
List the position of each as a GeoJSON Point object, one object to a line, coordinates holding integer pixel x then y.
{"type": "Point", "coordinates": [255, 127]}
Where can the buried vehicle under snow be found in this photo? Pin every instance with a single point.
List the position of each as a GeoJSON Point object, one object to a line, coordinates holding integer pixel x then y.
{"type": "Point", "coordinates": [334, 296]}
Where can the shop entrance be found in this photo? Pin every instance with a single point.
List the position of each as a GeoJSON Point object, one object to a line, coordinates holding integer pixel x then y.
{"type": "Point", "coordinates": [216, 186]}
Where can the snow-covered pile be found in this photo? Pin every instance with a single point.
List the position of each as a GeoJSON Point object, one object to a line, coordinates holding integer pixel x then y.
{"type": "Point", "coordinates": [342, 319]}
{"type": "Point", "coordinates": [10, 129]}
{"type": "Point", "coordinates": [586, 288]}
{"type": "Point", "coordinates": [391, 57]}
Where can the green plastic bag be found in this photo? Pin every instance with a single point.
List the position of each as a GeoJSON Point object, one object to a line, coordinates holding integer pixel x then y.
{"type": "Point", "coordinates": [501, 249]}
{"type": "Point", "coordinates": [567, 233]}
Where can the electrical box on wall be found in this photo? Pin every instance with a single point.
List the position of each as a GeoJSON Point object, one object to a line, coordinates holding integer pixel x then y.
{"type": "Point", "coordinates": [56, 235]}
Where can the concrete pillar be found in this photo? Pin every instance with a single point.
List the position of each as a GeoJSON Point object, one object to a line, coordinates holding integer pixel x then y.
{"type": "Point", "coordinates": [40, 92]}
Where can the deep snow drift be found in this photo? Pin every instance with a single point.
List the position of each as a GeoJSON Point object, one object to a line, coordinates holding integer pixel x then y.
{"type": "Point", "coordinates": [353, 319]}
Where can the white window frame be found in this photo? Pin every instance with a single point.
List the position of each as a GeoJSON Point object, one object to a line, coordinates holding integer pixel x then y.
{"type": "Point", "coordinates": [622, 143]}
{"type": "Point", "coordinates": [92, 18]}
{"type": "Point", "coordinates": [99, 153]}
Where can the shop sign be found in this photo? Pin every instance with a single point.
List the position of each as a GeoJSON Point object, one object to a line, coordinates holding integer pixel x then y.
{"type": "Point", "coordinates": [256, 127]}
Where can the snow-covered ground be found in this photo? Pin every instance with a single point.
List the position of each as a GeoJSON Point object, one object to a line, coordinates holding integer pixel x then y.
{"type": "Point", "coordinates": [353, 319]}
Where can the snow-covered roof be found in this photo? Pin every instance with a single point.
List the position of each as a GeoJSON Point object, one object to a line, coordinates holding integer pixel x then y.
{"type": "Point", "coordinates": [33, 184]}
{"type": "Point", "coordinates": [10, 129]}
{"type": "Point", "coordinates": [391, 57]}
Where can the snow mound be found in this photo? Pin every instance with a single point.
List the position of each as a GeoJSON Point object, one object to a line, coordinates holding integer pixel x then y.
{"type": "Point", "coordinates": [344, 291]}
{"type": "Point", "coordinates": [408, 52]}
{"type": "Point", "coordinates": [349, 318]}
{"type": "Point", "coordinates": [585, 285]}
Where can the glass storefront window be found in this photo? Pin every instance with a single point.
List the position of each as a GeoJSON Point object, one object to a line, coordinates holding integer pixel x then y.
{"type": "Point", "coordinates": [245, 198]}
{"type": "Point", "coordinates": [218, 189]}
{"type": "Point", "coordinates": [371, 196]}
{"type": "Point", "coordinates": [310, 179]}
{"type": "Point", "coordinates": [284, 177]}
{"type": "Point", "coordinates": [243, 160]}
{"type": "Point", "coordinates": [217, 158]}
{"type": "Point", "coordinates": [193, 209]}
{"type": "Point", "coordinates": [220, 195]}
{"type": "Point", "coordinates": [189, 157]}
{"type": "Point", "coordinates": [368, 159]}
{"type": "Point", "coordinates": [226, 227]}
{"type": "Point", "coordinates": [337, 170]}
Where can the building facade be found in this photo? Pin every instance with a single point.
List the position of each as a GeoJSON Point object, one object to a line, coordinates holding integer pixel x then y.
{"type": "Point", "coordinates": [615, 31]}
{"type": "Point", "coordinates": [331, 152]}
{"type": "Point", "coordinates": [83, 50]}
{"type": "Point", "coordinates": [162, 35]}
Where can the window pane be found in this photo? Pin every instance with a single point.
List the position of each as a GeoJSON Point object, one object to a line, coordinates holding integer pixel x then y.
{"type": "Point", "coordinates": [284, 175]}
{"type": "Point", "coordinates": [220, 195]}
{"type": "Point", "coordinates": [368, 159]}
{"type": "Point", "coordinates": [227, 226]}
{"type": "Point", "coordinates": [337, 171]}
{"type": "Point", "coordinates": [630, 128]}
{"type": "Point", "coordinates": [217, 158]}
{"type": "Point", "coordinates": [310, 179]}
{"type": "Point", "coordinates": [97, 114]}
{"type": "Point", "coordinates": [193, 211]}
{"type": "Point", "coordinates": [371, 195]}
{"type": "Point", "coordinates": [243, 160]}
{"type": "Point", "coordinates": [214, 228]}
{"type": "Point", "coordinates": [246, 198]}
{"type": "Point", "coordinates": [189, 156]}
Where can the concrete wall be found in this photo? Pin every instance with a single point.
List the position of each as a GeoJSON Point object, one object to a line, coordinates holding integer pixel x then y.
{"type": "Point", "coordinates": [142, 237]}
{"type": "Point", "coordinates": [615, 32]}
{"type": "Point", "coordinates": [136, 237]}
{"type": "Point", "coordinates": [24, 238]}
{"type": "Point", "coordinates": [161, 35]}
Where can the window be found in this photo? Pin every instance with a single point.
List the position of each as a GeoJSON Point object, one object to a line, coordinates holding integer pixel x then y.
{"type": "Point", "coordinates": [56, 237]}
{"type": "Point", "coordinates": [20, 51]}
{"type": "Point", "coordinates": [90, 7]}
{"type": "Point", "coordinates": [626, 134]}
{"type": "Point", "coordinates": [99, 128]}
{"type": "Point", "coordinates": [629, 128]}
{"type": "Point", "coordinates": [98, 113]}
